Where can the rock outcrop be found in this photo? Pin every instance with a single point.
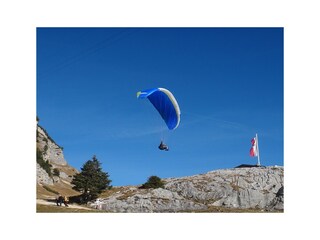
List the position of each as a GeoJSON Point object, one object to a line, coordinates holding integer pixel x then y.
{"type": "Point", "coordinates": [237, 188]}
{"type": "Point", "coordinates": [43, 177]}
{"type": "Point", "coordinates": [52, 154]}
{"type": "Point", "coordinates": [51, 151]}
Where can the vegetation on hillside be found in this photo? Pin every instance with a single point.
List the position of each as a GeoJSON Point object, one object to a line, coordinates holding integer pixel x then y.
{"type": "Point", "coordinates": [44, 164]}
{"type": "Point", "coordinates": [153, 182]}
{"type": "Point", "coordinates": [56, 172]}
{"type": "Point", "coordinates": [91, 181]}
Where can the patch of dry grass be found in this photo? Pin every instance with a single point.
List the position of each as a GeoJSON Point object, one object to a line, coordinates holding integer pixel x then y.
{"type": "Point", "coordinates": [213, 209]}
{"type": "Point", "coordinates": [62, 209]}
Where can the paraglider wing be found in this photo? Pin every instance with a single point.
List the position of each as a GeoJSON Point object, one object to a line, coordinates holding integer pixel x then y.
{"type": "Point", "coordinates": [166, 104]}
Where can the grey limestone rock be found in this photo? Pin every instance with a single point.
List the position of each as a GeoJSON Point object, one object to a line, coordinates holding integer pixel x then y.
{"type": "Point", "coordinates": [243, 188]}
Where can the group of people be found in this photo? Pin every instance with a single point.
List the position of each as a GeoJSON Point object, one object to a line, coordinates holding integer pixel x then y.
{"type": "Point", "coordinates": [62, 199]}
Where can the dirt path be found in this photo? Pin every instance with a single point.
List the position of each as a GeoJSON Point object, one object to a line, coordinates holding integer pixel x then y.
{"type": "Point", "coordinates": [45, 202]}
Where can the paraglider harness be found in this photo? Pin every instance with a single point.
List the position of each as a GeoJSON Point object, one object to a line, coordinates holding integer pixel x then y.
{"type": "Point", "coordinates": [162, 146]}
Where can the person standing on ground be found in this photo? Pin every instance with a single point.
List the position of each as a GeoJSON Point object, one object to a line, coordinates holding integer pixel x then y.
{"type": "Point", "coordinates": [59, 200]}
{"type": "Point", "coordinates": [66, 201]}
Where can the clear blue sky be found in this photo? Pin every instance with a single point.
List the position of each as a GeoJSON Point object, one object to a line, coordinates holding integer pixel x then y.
{"type": "Point", "coordinates": [227, 81]}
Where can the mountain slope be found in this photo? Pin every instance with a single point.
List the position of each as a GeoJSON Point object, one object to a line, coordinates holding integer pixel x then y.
{"type": "Point", "coordinates": [54, 175]}
{"type": "Point", "coordinates": [246, 188]}
{"type": "Point", "coordinates": [259, 188]}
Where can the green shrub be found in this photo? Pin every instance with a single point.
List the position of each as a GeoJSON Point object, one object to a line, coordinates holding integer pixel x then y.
{"type": "Point", "coordinates": [153, 182]}
{"type": "Point", "coordinates": [56, 172]}
{"type": "Point", "coordinates": [44, 164]}
{"type": "Point", "coordinates": [45, 149]}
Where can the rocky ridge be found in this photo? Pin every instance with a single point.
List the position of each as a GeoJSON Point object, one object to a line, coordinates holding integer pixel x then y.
{"type": "Point", "coordinates": [52, 153]}
{"type": "Point", "coordinates": [237, 188]}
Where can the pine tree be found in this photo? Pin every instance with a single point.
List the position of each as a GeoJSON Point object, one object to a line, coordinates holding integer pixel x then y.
{"type": "Point", "coordinates": [91, 181]}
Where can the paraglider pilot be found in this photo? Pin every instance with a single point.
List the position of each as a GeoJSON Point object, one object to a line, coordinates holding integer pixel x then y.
{"type": "Point", "coordinates": [162, 146]}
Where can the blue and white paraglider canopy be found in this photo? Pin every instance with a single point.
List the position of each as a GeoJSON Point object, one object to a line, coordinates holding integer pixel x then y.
{"type": "Point", "coordinates": [166, 104]}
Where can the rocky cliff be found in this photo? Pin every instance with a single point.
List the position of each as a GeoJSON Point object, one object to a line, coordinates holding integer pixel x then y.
{"type": "Point", "coordinates": [53, 171]}
{"type": "Point", "coordinates": [259, 188]}
{"type": "Point", "coordinates": [52, 152]}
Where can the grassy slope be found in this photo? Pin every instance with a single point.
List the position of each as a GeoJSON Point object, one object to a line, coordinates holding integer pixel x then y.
{"type": "Point", "coordinates": [55, 209]}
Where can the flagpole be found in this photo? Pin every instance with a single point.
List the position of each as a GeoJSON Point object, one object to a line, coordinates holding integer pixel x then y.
{"type": "Point", "coordinates": [258, 150]}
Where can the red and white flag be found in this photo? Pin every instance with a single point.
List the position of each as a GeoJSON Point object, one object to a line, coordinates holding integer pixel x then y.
{"type": "Point", "coordinates": [253, 149]}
